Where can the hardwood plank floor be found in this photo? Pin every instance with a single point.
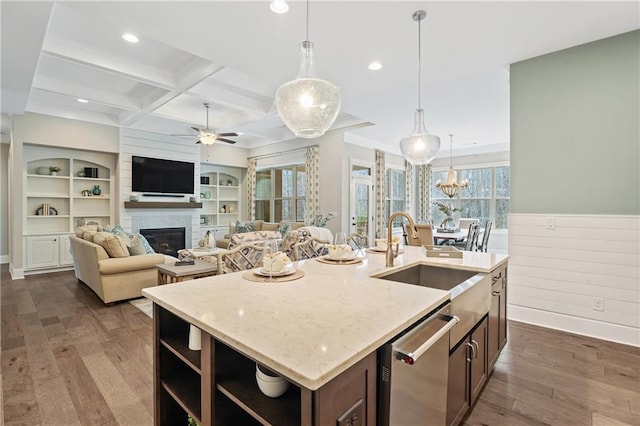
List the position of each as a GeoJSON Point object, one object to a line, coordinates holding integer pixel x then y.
{"type": "Point", "coordinates": [69, 360]}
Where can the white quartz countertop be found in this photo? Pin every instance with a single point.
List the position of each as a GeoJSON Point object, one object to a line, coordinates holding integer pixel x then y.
{"type": "Point", "coordinates": [312, 329]}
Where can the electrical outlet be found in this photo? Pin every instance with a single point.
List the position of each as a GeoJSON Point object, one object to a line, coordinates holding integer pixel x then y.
{"type": "Point", "coordinates": [598, 304]}
{"type": "Point", "coordinates": [551, 223]}
{"type": "Point", "coordinates": [354, 416]}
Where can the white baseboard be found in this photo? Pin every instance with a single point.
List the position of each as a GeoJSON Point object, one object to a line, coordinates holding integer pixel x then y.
{"type": "Point", "coordinates": [16, 274]}
{"type": "Point", "coordinates": [585, 327]}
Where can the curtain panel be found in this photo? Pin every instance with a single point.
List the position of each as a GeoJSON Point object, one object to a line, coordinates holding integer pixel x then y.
{"type": "Point", "coordinates": [424, 193]}
{"type": "Point", "coordinates": [408, 187]}
{"type": "Point", "coordinates": [381, 217]}
{"type": "Point", "coordinates": [251, 188]}
{"type": "Point", "coordinates": [312, 165]}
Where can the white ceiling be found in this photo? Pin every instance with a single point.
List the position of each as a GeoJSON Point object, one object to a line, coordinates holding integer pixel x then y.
{"type": "Point", "coordinates": [235, 54]}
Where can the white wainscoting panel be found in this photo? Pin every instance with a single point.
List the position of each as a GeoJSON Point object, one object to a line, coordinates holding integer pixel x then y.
{"type": "Point", "coordinates": [560, 263]}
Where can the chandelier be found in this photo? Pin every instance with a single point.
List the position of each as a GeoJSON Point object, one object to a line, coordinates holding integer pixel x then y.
{"type": "Point", "coordinates": [451, 187]}
{"type": "Point", "coordinates": [308, 106]}
{"type": "Point", "coordinates": [420, 147]}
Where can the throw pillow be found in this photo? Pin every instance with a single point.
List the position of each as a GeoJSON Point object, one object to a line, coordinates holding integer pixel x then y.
{"type": "Point", "coordinates": [284, 228]}
{"type": "Point", "coordinates": [241, 228]}
{"type": "Point", "coordinates": [270, 226]}
{"type": "Point", "coordinates": [136, 246]}
{"type": "Point", "coordinates": [113, 245]}
{"type": "Point", "coordinates": [147, 247]}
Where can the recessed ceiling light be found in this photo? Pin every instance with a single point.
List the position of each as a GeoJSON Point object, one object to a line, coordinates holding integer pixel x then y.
{"type": "Point", "coordinates": [82, 101]}
{"type": "Point", "coordinates": [131, 38]}
{"type": "Point", "coordinates": [375, 66]}
{"type": "Point", "coordinates": [279, 6]}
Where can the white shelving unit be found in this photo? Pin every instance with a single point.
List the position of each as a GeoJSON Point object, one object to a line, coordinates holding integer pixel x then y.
{"type": "Point", "coordinates": [220, 197]}
{"type": "Point", "coordinates": [69, 204]}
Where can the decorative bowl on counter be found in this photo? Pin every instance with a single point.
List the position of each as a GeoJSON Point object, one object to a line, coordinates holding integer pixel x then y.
{"type": "Point", "coordinates": [340, 252]}
{"type": "Point", "coordinates": [270, 383]}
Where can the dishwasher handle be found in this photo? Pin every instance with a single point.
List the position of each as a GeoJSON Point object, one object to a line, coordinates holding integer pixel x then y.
{"type": "Point", "coordinates": [410, 357]}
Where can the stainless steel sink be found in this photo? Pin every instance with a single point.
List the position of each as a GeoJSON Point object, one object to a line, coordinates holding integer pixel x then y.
{"type": "Point", "coordinates": [470, 291]}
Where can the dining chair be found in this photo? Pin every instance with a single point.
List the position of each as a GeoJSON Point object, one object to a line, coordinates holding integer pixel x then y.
{"type": "Point", "coordinates": [243, 257]}
{"type": "Point", "coordinates": [309, 248]}
{"type": "Point", "coordinates": [482, 246]}
{"type": "Point", "coordinates": [471, 241]}
{"type": "Point", "coordinates": [409, 239]}
{"type": "Point", "coordinates": [425, 234]}
{"type": "Point", "coordinates": [358, 241]}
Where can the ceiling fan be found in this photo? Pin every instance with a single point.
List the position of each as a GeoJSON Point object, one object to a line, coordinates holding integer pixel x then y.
{"type": "Point", "coordinates": [209, 137]}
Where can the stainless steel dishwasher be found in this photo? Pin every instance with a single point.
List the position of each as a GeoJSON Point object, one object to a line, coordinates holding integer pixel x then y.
{"type": "Point", "coordinates": [414, 369]}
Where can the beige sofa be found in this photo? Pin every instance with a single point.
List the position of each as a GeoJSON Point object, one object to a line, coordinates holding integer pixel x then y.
{"type": "Point", "coordinates": [114, 279]}
{"type": "Point", "coordinates": [258, 225]}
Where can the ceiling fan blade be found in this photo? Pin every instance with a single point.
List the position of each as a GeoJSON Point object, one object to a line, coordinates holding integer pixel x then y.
{"type": "Point", "coordinates": [226, 140]}
{"type": "Point", "coordinates": [198, 142]}
{"type": "Point", "coordinates": [196, 129]}
{"type": "Point", "coordinates": [227, 134]}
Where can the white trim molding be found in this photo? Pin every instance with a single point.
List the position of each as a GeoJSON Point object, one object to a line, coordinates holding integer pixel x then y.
{"type": "Point", "coordinates": [577, 273]}
{"type": "Point", "coordinates": [16, 274]}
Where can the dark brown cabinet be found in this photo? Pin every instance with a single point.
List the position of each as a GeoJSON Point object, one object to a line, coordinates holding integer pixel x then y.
{"type": "Point", "coordinates": [497, 325]}
{"type": "Point", "coordinates": [467, 373]}
{"type": "Point", "coordinates": [216, 386]}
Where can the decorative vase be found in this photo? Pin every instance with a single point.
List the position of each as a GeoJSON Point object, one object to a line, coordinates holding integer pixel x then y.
{"type": "Point", "coordinates": [54, 173]}
{"type": "Point", "coordinates": [96, 190]}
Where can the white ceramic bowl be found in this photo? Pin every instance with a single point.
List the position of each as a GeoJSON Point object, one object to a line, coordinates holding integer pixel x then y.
{"type": "Point", "coordinates": [342, 251]}
{"type": "Point", "coordinates": [270, 385]}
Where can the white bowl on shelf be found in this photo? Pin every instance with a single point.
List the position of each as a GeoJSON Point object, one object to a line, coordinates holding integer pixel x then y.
{"type": "Point", "coordinates": [269, 383]}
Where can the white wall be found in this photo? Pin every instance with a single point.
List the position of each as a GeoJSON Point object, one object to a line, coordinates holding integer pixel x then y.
{"type": "Point", "coordinates": [4, 202]}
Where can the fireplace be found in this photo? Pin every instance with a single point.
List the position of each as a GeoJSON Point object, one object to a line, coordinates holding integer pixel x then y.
{"type": "Point", "coordinates": [165, 240]}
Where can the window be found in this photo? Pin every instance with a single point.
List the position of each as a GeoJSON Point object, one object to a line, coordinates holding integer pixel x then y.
{"type": "Point", "coordinates": [280, 194]}
{"type": "Point", "coordinates": [486, 198]}
{"type": "Point", "coordinates": [395, 194]}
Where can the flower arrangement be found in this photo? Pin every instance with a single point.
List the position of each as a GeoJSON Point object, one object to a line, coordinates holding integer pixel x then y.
{"type": "Point", "coordinates": [321, 220]}
{"type": "Point", "coordinates": [448, 211]}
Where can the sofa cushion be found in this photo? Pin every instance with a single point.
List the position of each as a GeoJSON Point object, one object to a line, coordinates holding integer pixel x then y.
{"type": "Point", "coordinates": [135, 245]}
{"type": "Point", "coordinates": [80, 230]}
{"type": "Point", "coordinates": [268, 226]}
{"type": "Point", "coordinates": [113, 245]}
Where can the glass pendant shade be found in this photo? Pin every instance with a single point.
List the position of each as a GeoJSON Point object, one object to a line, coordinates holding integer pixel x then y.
{"type": "Point", "coordinates": [308, 106]}
{"type": "Point", "coordinates": [420, 147]}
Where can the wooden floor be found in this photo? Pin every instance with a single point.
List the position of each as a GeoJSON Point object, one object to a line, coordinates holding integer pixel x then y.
{"type": "Point", "coordinates": [68, 360]}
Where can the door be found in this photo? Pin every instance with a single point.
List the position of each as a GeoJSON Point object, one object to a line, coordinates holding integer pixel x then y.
{"type": "Point", "coordinates": [458, 387]}
{"type": "Point", "coordinates": [478, 374]}
{"type": "Point", "coordinates": [361, 206]}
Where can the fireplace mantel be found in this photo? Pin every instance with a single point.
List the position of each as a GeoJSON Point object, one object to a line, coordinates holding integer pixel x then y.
{"type": "Point", "coordinates": [161, 205]}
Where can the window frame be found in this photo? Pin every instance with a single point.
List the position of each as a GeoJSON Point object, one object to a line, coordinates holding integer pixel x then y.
{"type": "Point", "coordinates": [457, 200]}
{"type": "Point", "coordinates": [388, 196]}
{"type": "Point", "coordinates": [273, 200]}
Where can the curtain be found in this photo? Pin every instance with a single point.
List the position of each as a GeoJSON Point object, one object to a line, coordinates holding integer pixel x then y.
{"type": "Point", "coordinates": [408, 186]}
{"type": "Point", "coordinates": [381, 217]}
{"type": "Point", "coordinates": [251, 188]}
{"type": "Point", "coordinates": [424, 193]}
{"type": "Point", "coordinates": [312, 163]}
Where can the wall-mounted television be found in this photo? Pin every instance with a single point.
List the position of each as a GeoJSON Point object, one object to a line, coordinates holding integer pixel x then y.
{"type": "Point", "coordinates": [156, 176]}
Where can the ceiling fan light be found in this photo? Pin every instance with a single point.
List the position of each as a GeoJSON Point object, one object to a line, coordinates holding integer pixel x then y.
{"type": "Point", "coordinates": [420, 147]}
{"type": "Point", "coordinates": [207, 140]}
{"type": "Point", "coordinates": [308, 106]}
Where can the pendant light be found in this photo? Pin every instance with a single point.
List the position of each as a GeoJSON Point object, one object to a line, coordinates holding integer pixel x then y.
{"type": "Point", "coordinates": [451, 187]}
{"type": "Point", "coordinates": [308, 106]}
{"type": "Point", "coordinates": [420, 147]}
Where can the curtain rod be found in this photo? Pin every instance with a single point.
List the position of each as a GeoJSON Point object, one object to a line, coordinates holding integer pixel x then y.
{"type": "Point", "coordinates": [275, 154]}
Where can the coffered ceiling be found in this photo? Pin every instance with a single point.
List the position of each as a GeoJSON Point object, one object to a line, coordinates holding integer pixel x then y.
{"type": "Point", "coordinates": [235, 54]}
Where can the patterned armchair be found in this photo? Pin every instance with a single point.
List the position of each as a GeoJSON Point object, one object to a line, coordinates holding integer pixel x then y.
{"type": "Point", "coordinates": [309, 248]}
{"type": "Point", "coordinates": [243, 257]}
{"type": "Point", "coordinates": [258, 238]}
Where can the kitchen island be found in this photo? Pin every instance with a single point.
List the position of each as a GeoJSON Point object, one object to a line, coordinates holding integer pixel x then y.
{"type": "Point", "coordinates": [321, 332]}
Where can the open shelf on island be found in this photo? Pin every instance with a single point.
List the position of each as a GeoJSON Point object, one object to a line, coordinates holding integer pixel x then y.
{"type": "Point", "coordinates": [177, 344]}
{"type": "Point", "coordinates": [236, 379]}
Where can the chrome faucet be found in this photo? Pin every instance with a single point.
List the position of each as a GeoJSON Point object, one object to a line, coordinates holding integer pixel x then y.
{"type": "Point", "coordinates": [390, 255]}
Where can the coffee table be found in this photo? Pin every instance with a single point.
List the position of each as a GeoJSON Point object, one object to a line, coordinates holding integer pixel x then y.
{"type": "Point", "coordinates": [169, 273]}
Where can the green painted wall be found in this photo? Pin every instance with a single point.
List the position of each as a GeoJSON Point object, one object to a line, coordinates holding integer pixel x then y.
{"type": "Point", "coordinates": [574, 129]}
